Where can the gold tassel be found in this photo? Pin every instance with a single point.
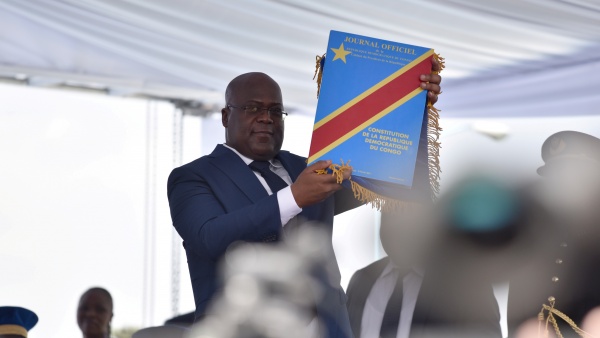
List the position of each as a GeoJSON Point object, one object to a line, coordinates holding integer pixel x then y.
{"type": "Point", "coordinates": [319, 72]}
{"type": "Point", "coordinates": [337, 170]}
{"type": "Point", "coordinates": [551, 320]}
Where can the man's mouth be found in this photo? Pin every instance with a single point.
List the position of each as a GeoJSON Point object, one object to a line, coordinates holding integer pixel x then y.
{"type": "Point", "coordinates": [263, 132]}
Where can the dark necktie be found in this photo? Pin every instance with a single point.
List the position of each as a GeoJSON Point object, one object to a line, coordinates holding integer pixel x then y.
{"type": "Point", "coordinates": [275, 182]}
{"type": "Point", "coordinates": [391, 316]}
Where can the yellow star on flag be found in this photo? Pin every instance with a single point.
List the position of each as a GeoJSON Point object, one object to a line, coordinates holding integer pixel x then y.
{"type": "Point", "coordinates": [340, 53]}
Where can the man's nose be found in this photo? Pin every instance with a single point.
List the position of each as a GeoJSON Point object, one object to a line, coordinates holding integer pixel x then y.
{"type": "Point", "coordinates": [264, 116]}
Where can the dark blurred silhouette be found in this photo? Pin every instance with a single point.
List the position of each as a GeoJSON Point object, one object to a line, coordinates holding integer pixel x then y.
{"type": "Point", "coordinates": [416, 291]}
{"type": "Point", "coordinates": [270, 290]}
{"type": "Point", "coordinates": [165, 331]}
{"type": "Point", "coordinates": [95, 313]}
{"type": "Point", "coordinates": [184, 320]}
{"type": "Point", "coordinates": [566, 266]}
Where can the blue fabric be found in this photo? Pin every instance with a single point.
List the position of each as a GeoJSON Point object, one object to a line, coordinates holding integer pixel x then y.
{"type": "Point", "coordinates": [13, 315]}
{"type": "Point", "coordinates": [217, 200]}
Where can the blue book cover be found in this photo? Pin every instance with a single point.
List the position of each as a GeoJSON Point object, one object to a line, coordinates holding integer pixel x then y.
{"type": "Point", "coordinates": [371, 109]}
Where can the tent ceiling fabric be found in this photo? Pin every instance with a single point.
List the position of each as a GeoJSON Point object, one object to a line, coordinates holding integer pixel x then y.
{"type": "Point", "coordinates": [190, 49]}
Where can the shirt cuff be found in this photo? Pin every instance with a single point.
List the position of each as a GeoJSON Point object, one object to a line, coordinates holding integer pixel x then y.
{"type": "Point", "coordinates": [287, 205]}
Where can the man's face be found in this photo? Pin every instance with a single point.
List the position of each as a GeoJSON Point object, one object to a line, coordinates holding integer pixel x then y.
{"type": "Point", "coordinates": [256, 136]}
{"type": "Point", "coordinates": [94, 314]}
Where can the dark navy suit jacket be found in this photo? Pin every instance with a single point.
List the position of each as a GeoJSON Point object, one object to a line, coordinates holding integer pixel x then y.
{"type": "Point", "coordinates": [217, 200]}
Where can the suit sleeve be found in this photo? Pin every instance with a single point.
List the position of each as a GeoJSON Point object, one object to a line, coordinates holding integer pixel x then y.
{"type": "Point", "coordinates": [203, 223]}
{"type": "Point", "coordinates": [345, 200]}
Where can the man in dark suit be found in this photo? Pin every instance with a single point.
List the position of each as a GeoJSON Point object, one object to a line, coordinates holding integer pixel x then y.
{"type": "Point", "coordinates": [415, 292]}
{"type": "Point", "coordinates": [250, 190]}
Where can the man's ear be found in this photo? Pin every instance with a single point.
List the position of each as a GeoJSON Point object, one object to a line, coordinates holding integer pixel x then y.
{"type": "Point", "coordinates": [225, 116]}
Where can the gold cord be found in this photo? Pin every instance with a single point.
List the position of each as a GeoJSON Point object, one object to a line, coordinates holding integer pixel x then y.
{"type": "Point", "coordinates": [552, 320]}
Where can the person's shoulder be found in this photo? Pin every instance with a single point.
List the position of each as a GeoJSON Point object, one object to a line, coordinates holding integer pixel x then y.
{"type": "Point", "coordinates": [194, 166]}
{"type": "Point", "coordinates": [360, 276]}
{"type": "Point", "coordinates": [197, 166]}
{"type": "Point", "coordinates": [376, 267]}
{"type": "Point", "coordinates": [202, 161]}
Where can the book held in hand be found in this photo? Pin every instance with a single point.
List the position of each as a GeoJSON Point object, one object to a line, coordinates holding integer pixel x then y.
{"type": "Point", "coordinates": [373, 113]}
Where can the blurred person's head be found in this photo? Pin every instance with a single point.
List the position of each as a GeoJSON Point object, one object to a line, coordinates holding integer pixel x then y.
{"type": "Point", "coordinates": [491, 228]}
{"type": "Point", "coordinates": [572, 183]}
{"type": "Point", "coordinates": [252, 116]}
{"type": "Point", "coordinates": [15, 322]}
{"type": "Point", "coordinates": [407, 236]}
{"type": "Point", "coordinates": [94, 313]}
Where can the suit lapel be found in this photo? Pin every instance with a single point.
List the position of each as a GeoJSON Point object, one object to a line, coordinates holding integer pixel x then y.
{"type": "Point", "coordinates": [234, 167]}
{"type": "Point", "coordinates": [356, 309]}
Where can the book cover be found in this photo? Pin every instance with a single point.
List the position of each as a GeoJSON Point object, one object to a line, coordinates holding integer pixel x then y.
{"type": "Point", "coordinates": [371, 109]}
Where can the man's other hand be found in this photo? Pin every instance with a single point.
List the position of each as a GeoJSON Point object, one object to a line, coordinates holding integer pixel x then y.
{"type": "Point", "coordinates": [431, 82]}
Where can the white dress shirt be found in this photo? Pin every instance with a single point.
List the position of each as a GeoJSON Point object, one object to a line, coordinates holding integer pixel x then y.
{"type": "Point", "coordinates": [288, 208]}
{"type": "Point", "coordinates": [380, 295]}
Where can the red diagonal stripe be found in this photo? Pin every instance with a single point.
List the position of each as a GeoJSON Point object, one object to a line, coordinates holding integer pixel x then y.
{"type": "Point", "coordinates": [368, 107]}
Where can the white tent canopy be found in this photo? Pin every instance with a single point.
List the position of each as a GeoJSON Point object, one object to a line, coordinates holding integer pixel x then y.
{"type": "Point", "coordinates": [188, 49]}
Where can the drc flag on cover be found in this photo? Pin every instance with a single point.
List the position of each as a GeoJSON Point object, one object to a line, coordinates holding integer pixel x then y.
{"type": "Point", "coordinates": [373, 113]}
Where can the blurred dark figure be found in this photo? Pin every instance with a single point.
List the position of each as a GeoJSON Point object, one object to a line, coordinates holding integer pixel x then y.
{"type": "Point", "coordinates": [416, 292]}
{"type": "Point", "coordinates": [16, 322]}
{"type": "Point", "coordinates": [94, 313]}
{"type": "Point", "coordinates": [269, 290]}
{"type": "Point", "coordinates": [174, 327]}
{"type": "Point", "coordinates": [184, 320]}
{"type": "Point", "coordinates": [165, 331]}
{"type": "Point", "coordinates": [567, 269]}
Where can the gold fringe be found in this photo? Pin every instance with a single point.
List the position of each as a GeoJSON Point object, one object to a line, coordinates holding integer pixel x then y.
{"type": "Point", "coordinates": [380, 202]}
{"type": "Point", "coordinates": [433, 138]}
{"type": "Point", "coordinates": [377, 201]}
{"type": "Point", "coordinates": [319, 72]}
{"type": "Point", "coordinates": [550, 319]}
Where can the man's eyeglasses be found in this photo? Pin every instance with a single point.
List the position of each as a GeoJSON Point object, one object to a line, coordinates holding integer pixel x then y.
{"type": "Point", "coordinates": [276, 113]}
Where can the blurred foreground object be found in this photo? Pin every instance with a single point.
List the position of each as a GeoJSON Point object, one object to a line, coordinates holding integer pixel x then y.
{"type": "Point", "coordinates": [591, 322]}
{"type": "Point", "coordinates": [184, 320]}
{"type": "Point", "coordinates": [16, 321]}
{"type": "Point", "coordinates": [417, 292]}
{"type": "Point", "coordinates": [166, 331]}
{"type": "Point", "coordinates": [571, 148]}
{"type": "Point", "coordinates": [489, 226]}
{"type": "Point", "coordinates": [269, 289]}
{"type": "Point", "coordinates": [565, 277]}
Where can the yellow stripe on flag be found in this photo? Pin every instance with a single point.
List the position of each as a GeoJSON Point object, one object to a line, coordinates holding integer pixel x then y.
{"type": "Point", "coordinates": [365, 124]}
{"type": "Point", "coordinates": [372, 89]}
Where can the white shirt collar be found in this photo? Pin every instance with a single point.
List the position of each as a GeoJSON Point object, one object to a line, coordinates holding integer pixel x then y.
{"type": "Point", "coordinates": [391, 267]}
{"type": "Point", "coordinates": [275, 163]}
